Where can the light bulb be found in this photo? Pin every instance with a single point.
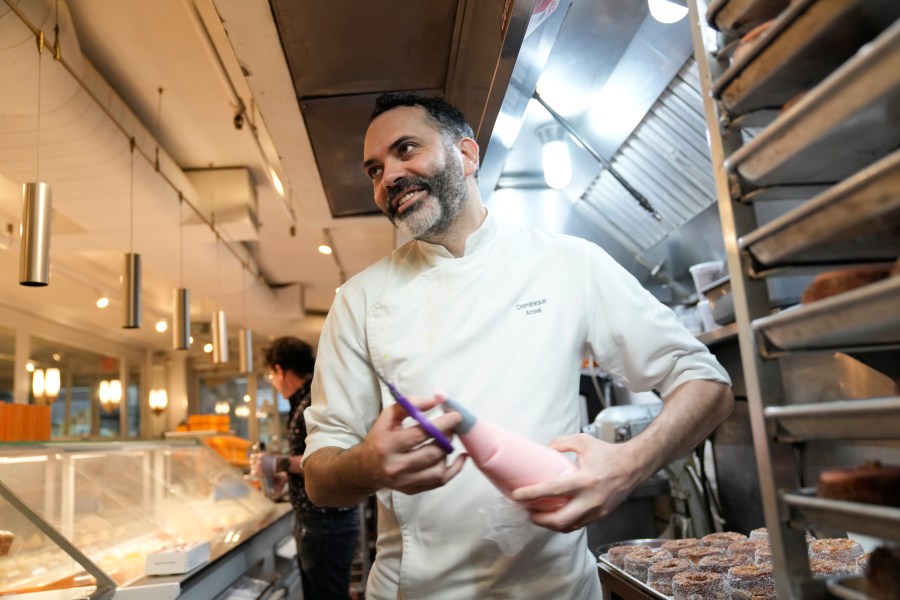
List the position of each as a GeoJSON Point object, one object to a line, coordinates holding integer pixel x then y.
{"type": "Point", "coordinates": [102, 302]}
{"type": "Point", "coordinates": [557, 164]}
{"type": "Point", "coordinates": [666, 11]}
{"type": "Point", "coordinates": [207, 347]}
{"type": "Point", "coordinates": [324, 248]}
{"type": "Point", "coordinates": [161, 325]}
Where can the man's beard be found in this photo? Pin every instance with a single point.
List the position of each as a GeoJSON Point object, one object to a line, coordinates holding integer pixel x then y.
{"type": "Point", "coordinates": [432, 215]}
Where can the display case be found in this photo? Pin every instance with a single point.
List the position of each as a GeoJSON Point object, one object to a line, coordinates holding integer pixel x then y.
{"type": "Point", "coordinates": [116, 504]}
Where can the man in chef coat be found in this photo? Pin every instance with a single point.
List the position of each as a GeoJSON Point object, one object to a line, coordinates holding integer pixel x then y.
{"type": "Point", "coordinates": [499, 317]}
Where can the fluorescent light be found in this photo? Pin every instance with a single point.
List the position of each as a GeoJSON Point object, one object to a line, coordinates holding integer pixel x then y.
{"type": "Point", "coordinates": [666, 11]}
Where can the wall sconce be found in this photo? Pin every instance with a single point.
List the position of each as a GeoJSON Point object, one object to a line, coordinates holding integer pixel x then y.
{"type": "Point", "coordinates": [667, 11]}
{"type": "Point", "coordinates": [45, 385]}
{"type": "Point", "coordinates": [110, 393]}
{"type": "Point", "coordinates": [159, 400]}
{"type": "Point", "coordinates": [555, 158]}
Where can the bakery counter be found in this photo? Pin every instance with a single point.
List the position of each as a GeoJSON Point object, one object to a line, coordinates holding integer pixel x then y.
{"type": "Point", "coordinates": [840, 127]}
{"type": "Point", "coordinates": [150, 520]}
{"type": "Point", "coordinates": [798, 49]}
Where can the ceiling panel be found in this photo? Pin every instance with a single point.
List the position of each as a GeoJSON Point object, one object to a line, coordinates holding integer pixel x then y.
{"type": "Point", "coordinates": [345, 47]}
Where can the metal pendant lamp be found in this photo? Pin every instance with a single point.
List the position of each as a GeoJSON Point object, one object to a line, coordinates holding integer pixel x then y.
{"type": "Point", "coordinates": [181, 317]}
{"type": "Point", "coordinates": [131, 267]}
{"type": "Point", "coordinates": [34, 258]}
{"type": "Point", "coordinates": [34, 255]}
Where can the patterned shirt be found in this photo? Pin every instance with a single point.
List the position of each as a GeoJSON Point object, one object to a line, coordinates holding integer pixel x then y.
{"type": "Point", "coordinates": [296, 436]}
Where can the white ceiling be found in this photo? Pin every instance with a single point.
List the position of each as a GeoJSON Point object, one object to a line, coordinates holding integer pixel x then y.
{"type": "Point", "coordinates": [182, 47]}
{"type": "Point", "coordinates": [211, 58]}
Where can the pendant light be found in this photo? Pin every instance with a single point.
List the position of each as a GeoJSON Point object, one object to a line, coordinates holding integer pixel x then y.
{"type": "Point", "coordinates": [245, 338]}
{"type": "Point", "coordinates": [131, 265]}
{"type": "Point", "coordinates": [34, 256]}
{"type": "Point", "coordinates": [181, 319]}
{"type": "Point", "coordinates": [219, 322]}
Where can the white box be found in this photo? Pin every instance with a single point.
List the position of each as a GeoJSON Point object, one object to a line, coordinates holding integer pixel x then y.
{"type": "Point", "coordinates": [177, 559]}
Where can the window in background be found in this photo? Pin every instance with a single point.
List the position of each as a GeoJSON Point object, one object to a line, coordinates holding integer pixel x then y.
{"type": "Point", "coordinates": [224, 395]}
{"type": "Point", "coordinates": [76, 411]}
{"type": "Point", "coordinates": [133, 424]}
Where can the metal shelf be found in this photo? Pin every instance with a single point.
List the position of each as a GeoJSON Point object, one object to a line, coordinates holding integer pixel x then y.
{"type": "Point", "coordinates": [838, 128]}
{"type": "Point", "coordinates": [807, 511]}
{"type": "Point", "coordinates": [858, 219]}
{"type": "Point", "coordinates": [864, 317]}
{"type": "Point", "coordinates": [874, 419]}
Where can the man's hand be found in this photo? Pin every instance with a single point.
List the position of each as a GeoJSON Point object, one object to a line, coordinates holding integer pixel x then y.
{"type": "Point", "coordinates": [605, 477]}
{"type": "Point", "coordinates": [391, 456]}
{"type": "Point", "coordinates": [406, 458]}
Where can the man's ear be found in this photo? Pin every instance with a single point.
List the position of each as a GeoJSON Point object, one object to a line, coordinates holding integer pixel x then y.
{"type": "Point", "coordinates": [469, 149]}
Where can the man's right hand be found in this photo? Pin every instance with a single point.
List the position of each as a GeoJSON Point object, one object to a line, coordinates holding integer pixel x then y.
{"type": "Point", "coordinates": [391, 456]}
{"type": "Point", "coordinates": [406, 458]}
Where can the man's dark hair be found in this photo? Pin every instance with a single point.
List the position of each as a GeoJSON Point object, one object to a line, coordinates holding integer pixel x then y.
{"type": "Point", "coordinates": [291, 354]}
{"type": "Point", "coordinates": [449, 120]}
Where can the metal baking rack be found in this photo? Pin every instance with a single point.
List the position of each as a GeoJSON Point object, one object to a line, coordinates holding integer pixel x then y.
{"type": "Point", "coordinates": [834, 154]}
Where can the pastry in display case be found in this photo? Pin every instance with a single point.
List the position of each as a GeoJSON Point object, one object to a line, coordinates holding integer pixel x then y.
{"type": "Point", "coordinates": [126, 504]}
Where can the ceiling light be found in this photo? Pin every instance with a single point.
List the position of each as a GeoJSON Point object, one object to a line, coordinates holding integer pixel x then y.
{"type": "Point", "coordinates": [161, 325]}
{"type": "Point", "coordinates": [276, 181]}
{"type": "Point", "coordinates": [667, 11]}
{"type": "Point", "coordinates": [29, 366]}
{"type": "Point", "coordinates": [102, 302]}
{"type": "Point", "coordinates": [220, 337]}
{"type": "Point", "coordinates": [34, 257]}
{"type": "Point", "coordinates": [207, 347]}
{"type": "Point", "coordinates": [555, 158]}
{"type": "Point", "coordinates": [326, 246]}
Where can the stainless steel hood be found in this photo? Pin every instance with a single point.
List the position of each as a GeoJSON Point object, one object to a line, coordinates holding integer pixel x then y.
{"type": "Point", "coordinates": [341, 54]}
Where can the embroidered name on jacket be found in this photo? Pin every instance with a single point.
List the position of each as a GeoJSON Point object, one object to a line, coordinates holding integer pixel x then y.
{"type": "Point", "coordinates": [533, 307]}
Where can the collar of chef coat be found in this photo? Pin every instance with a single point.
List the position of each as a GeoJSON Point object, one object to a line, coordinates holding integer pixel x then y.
{"type": "Point", "coordinates": [477, 240]}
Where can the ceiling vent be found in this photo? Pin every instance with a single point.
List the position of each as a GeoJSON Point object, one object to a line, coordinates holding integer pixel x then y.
{"type": "Point", "coordinates": [226, 197]}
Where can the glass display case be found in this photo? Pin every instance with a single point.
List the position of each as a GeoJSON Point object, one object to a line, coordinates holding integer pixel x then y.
{"type": "Point", "coordinates": [118, 502]}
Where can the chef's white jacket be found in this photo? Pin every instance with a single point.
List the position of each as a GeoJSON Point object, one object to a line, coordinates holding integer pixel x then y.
{"type": "Point", "coordinates": [503, 330]}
